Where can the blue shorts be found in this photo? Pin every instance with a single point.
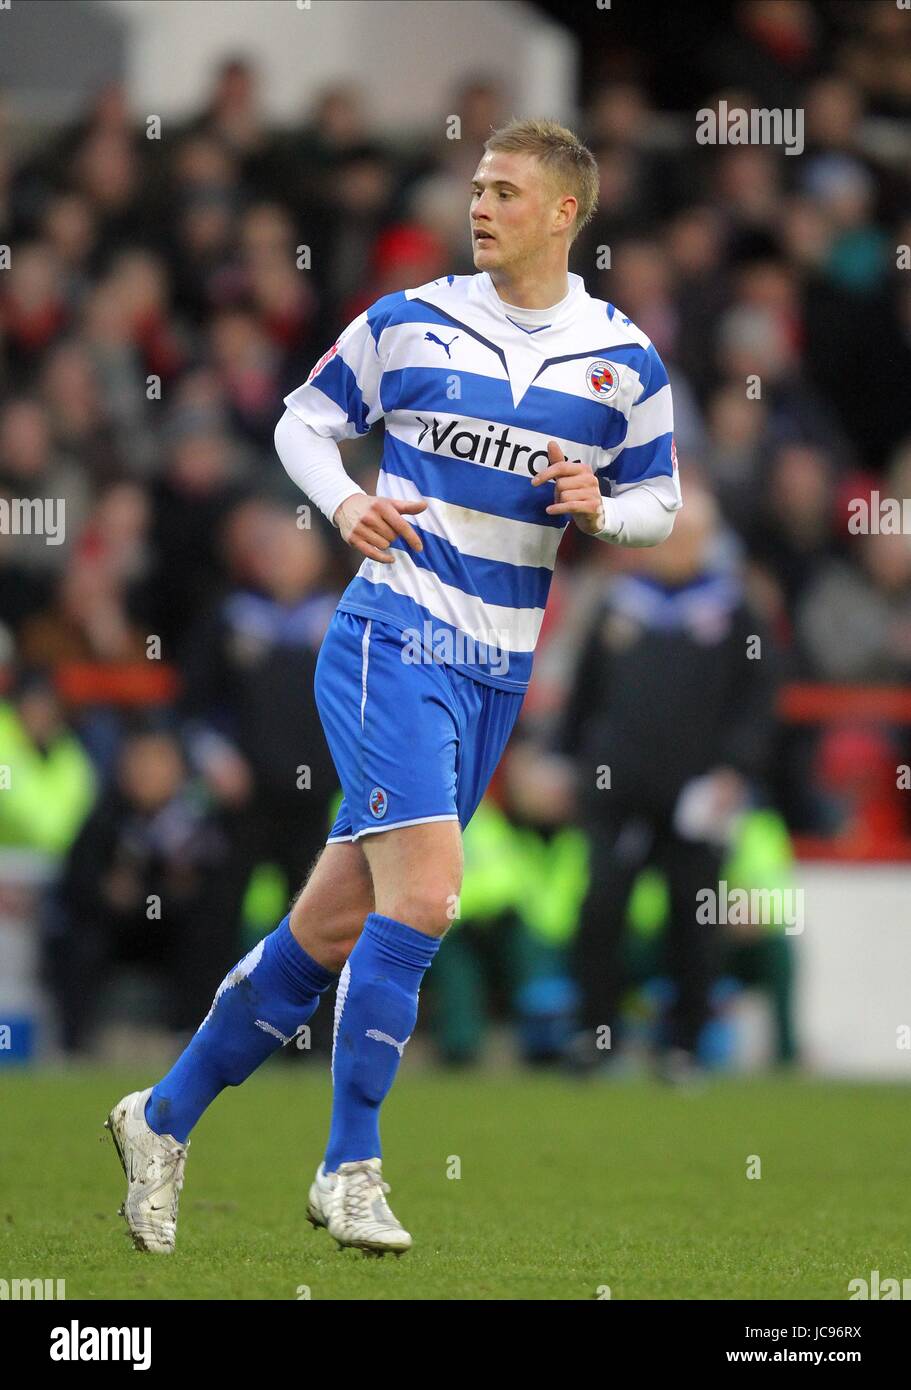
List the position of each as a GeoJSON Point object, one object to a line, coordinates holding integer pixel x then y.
{"type": "Point", "coordinates": [411, 743]}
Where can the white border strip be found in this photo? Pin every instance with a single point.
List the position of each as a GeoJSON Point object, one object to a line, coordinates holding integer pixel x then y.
{"type": "Point", "coordinates": [341, 994]}
{"type": "Point", "coordinates": [365, 653]}
{"type": "Point", "coordinates": [393, 825]}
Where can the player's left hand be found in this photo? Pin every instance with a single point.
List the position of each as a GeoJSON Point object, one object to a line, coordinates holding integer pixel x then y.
{"type": "Point", "coordinates": [578, 493]}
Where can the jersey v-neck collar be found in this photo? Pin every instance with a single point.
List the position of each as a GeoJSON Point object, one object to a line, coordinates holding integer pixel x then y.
{"type": "Point", "coordinates": [523, 350]}
{"type": "Point", "coordinates": [534, 319]}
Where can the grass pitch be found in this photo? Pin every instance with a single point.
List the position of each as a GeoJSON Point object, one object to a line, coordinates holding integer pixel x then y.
{"type": "Point", "coordinates": [564, 1188]}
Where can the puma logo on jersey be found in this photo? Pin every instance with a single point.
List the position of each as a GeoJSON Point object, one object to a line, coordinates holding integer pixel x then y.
{"type": "Point", "coordinates": [432, 338]}
{"type": "Point", "coordinates": [384, 1037]}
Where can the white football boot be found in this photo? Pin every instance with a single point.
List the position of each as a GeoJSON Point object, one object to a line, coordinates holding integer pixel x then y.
{"type": "Point", "coordinates": [351, 1204]}
{"type": "Point", "coordinates": [153, 1164]}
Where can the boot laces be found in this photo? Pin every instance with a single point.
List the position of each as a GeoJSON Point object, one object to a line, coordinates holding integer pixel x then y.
{"type": "Point", "coordinates": [361, 1191]}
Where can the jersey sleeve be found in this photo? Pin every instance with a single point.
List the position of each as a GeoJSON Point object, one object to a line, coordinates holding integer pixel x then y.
{"type": "Point", "coordinates": [648, 454]}
{"type": "Point", "coordinates": [341, 396]}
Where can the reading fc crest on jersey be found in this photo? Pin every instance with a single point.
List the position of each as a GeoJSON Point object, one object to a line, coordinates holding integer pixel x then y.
{"type": "Point", "coordinates": [379, 803]}
{"type": "Point", "coordinates": [603, 380]}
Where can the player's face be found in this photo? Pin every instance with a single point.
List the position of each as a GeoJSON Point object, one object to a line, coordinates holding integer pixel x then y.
{"type": "Point", "coordinates": [513, 207]}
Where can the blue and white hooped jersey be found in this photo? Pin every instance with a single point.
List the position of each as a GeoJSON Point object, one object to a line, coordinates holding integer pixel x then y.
{"type": "Point", "coordinates": [470, 399]}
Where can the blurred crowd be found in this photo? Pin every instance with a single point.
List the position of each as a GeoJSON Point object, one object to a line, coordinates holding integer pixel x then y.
{"type": "Point", "coordinates": [166, 288]}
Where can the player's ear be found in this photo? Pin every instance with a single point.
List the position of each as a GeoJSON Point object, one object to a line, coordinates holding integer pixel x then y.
{"type": "Point", "coordinates": [566, 212]}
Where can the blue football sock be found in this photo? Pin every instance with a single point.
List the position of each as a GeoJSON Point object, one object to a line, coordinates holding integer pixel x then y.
{"type": "Point", "coordinates": [259, 1006]}
{"type": "Point", "coordinates": [376, 1009]}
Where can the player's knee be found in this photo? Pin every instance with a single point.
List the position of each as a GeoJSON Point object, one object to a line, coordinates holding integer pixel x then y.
{"type": "Point", "coordinates": [328, 936]}
{"type": "Point", "coordinates": [429, 907]}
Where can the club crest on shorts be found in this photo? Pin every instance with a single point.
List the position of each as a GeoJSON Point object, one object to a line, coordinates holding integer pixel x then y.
{"type": "Point", "coordinates": [378, 803]}
{"type": "Point", "coordinates": [602, 379]}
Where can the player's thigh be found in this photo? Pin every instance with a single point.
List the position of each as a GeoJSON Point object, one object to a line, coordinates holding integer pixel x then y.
{"type": "Point", "coordinates": [393, 728]}
{"type": "Point", "coordinates": [417, 873]}
{"type": "Point", "coordinates": [329, 912]}
{"type": "Point", "coordinates": [487, 717]}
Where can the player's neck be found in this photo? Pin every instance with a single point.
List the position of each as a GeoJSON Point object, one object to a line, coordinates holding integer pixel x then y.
{"type": "Point", "coordinates": [532, 289]}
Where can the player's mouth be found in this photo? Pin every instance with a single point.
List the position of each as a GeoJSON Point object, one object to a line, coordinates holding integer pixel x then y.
{"type": "Point", "coordinates": [482, 238]}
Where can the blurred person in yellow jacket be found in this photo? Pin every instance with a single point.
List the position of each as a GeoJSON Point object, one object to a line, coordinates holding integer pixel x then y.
{"type": "Point", "coordinates": [45, 773]}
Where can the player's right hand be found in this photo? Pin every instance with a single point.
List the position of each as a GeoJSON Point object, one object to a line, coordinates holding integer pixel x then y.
{"type": "Point", "coordinates": [371, 524]}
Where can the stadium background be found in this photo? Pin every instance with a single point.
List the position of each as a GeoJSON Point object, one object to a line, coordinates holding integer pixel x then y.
{"type": "Point", "coordinates": [196, 199]}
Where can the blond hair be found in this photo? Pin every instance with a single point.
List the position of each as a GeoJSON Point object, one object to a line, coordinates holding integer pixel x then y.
{"type": "Point", "coordinates": [570, 165]}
